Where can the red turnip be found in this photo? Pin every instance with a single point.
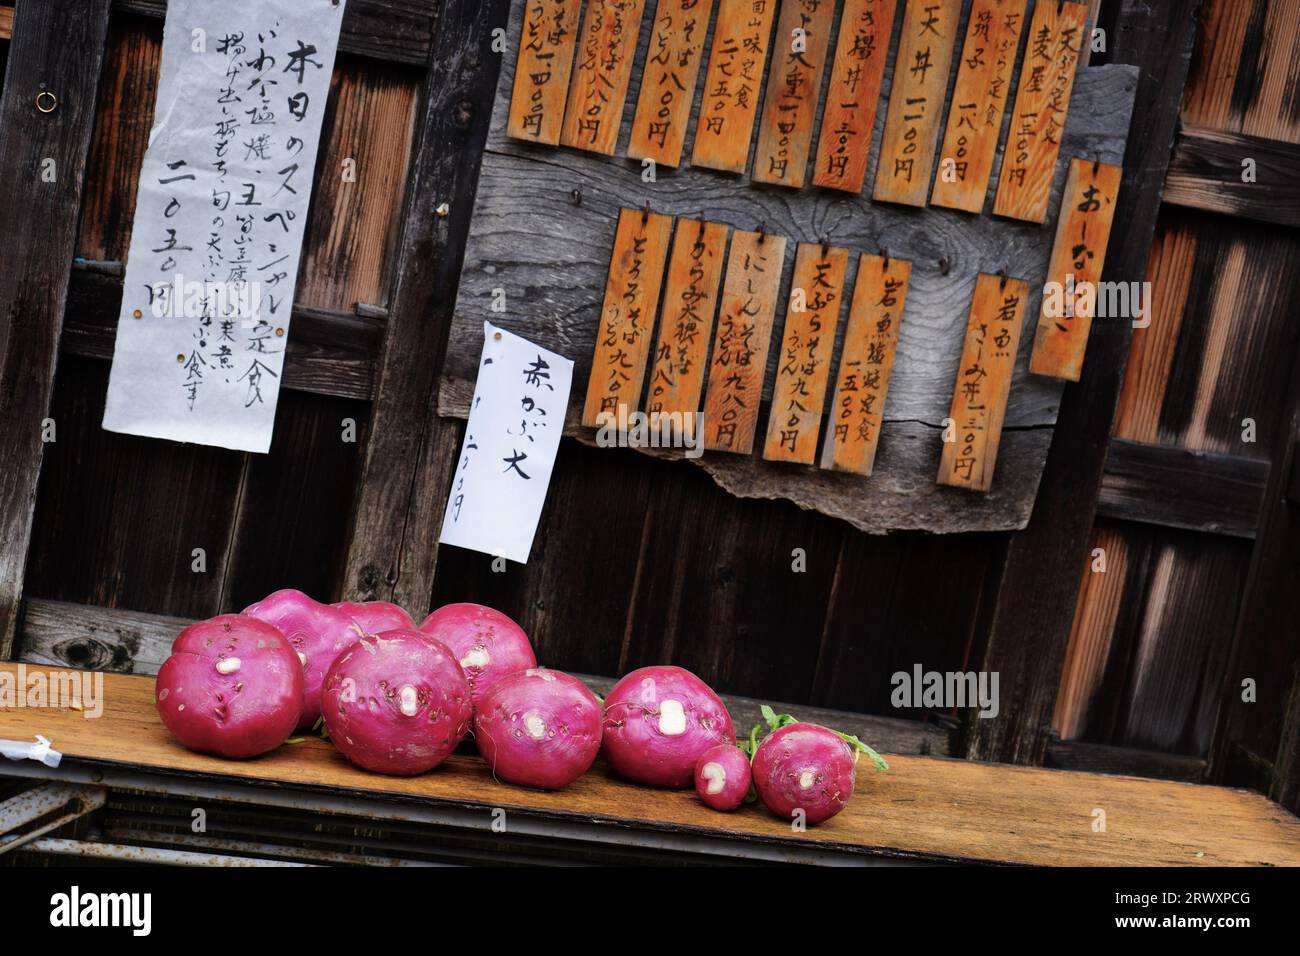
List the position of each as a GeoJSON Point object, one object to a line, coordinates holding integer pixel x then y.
{"type": "Point", "coordinates": [806, 768]}
{"type": "Point", "coordinates": [396, 702]}
{"type": "Point", "coordinates": [232, 686]}
{"type": "Point", "coordinates": [487, 644]}
{"type": "Point", "coordinates": [317, 632]}
{"type": "Point", "coordinates": [658, 720]}
{"type": "Point", "coordinates": [722, 777]}
{"type": "Point", "coordinates": [538, 728]}
{"type": "Point", "coordinates": [375, 617]}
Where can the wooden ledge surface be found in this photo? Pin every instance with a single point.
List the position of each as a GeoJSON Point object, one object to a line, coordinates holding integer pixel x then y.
{"type": "Point", "coordinates": [924, 808]}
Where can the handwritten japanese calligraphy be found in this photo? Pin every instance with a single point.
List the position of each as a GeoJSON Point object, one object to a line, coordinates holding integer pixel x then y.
{"type": "Point", "coordinates": [668, 83]}
{"type": "Point", "coordinates": [921, 72]}
{"type": "Point", "coordinates": [979, 101]}
{"type": "Point", "coordinates": [1070, 293]}
{"type": "Point", "coordinates": [812, 317]}
{"type": "Point", "coordinates": [741, 344]}
{"type": "Point", "coordinates": [732, 83]}
{"type": "Point", "coordinates": [866, 362]}
{"type": "Point", "coordinates": [222, 202]}
{"type": "Point", "coordinates": [979, 398]}
{"type": "Point", "coordinates": [505, 464]}
{"type": "Point", "coordinates": [627, 318]}
{"type": "Point", "coordinates": [686, 319]}
{"type": "Point", "coordinates": [850, 115]}
{"type": "Point", "coordinates": [1056, 35]}
{"type": "Point", "coordinates": [794, 82]}
{"type": "Point", "coordinates": [546, 45]}
{"type": "Point", "coordinates": [598, 90]}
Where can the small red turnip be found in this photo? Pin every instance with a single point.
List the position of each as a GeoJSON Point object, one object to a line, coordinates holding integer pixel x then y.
{"type": "Point", "coordinates": [375, 617]}
{"type": "Point", "coordinates": [317, 632]}
{"type": "Point", "coordinates": [658, 720]}
{"type": "Point", "coordinates": [396, 702]}
{"type": "Point", "coordinates": [487, 644]}
{"type": "Point", "coordinates": [538, 728]}
{"type": "Point", "coordinates": [232, 686]}
{"type": "Point", "coordinates": [806, 771]}
{"type": "Point", "coordinates": [722, 777]}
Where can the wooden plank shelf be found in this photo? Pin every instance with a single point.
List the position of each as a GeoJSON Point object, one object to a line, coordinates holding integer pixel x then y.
{"type": "Point", "coordinates": [923, 809]}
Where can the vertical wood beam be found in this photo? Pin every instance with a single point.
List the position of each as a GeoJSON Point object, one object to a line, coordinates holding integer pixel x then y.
{"type": "Point", "coordinates": [57, 46]}
{"type": "Point", "coordinates": [1033, 607]}
{"type": "Point", "coordinates": [393, 538]}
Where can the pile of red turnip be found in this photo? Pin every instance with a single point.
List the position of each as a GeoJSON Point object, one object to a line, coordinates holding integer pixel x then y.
{"type": "Point", "coordinates": [397, 699]}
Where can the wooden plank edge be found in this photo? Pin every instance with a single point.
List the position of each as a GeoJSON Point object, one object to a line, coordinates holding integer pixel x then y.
{"type": "Point", "coordinates": [6, 23]}
{"type": "Point", "coordinates": [85, 637]}
{"type": "Point", "coordinates": [1124, 761]}
{"type": "Point", "coordinates": [1207, 168]}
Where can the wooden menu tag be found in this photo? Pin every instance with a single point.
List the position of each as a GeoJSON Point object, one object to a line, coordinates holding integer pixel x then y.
{"type": "Point", "coordinates": [686, 320]}
{"type": "Point", "coordinates": [742, 340]}
{"type": "Point", "coordinates": [921, 72]}
{"type": "Point", "coordinates": [854, 93]}
{"type": "Point", "coordinates": [636, 270]}
{"type": "Point", "coordinates": [811, 318]}
{"type": "Point", "coordinates": [668, 81]}
{"type": "Point", "coordinates": [979, 398]}
{"type": "Point", "coordinates": [732, 84]}
{"type": "Point", "coordinates": [866, 361]}
{"type": "Point", "coordinates": [606, 48]}
{"type": "Point", "coordinates": [1042, 102]}
{"type": "Point", "coordinates": [1070, 294]}
{"type": "Point", "coordinates": [794, 83]}
{"type": "Point", "coordinates": [546, 45]}
{"type": "Point", "coordinates": [978, 101]}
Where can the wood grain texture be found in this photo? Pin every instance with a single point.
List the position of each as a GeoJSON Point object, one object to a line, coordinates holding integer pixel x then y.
{"type": "Point", "coordinates": [598, 87]}
{"type": "Point", "coordinates": [733, 84]}
{"type": "Point", "coordinates": [979, 100]}
{"type": "Point", "coordinates": [812, 321]}
{"type": "Point", "coordinates": [853, 93]}
{"type": "Point", "coordinates": [979, 399]}
{"type": "Point", "coordinates": [672, 68]}
{"type": "Point", "coordinates": [627, 317]}
{"type": "Point", "coordinates": [1235, 174]}
{"type": "Point", "coordinates": [1054, 42]}
{"type": "Point", "coordinates": [398, 31]}
{"type": "Point", "coordinates": [739, 359]}
{"type": "Point", "coordinates": [794, 83]}
{"type": "Point", "coordinates": [542, 70]}
{"type": "Point", "coordinates": [686, 320]}
{"type": "Point", "coordinates": [912, 124]}
{"type": "Point", "coordinates": [1078, 252]}
{"type": "Point", "coordinates": [866, 361]}
{"type": "Point", "coordinates": [922, 808]}
{"type": "Point", "coordinates": [6, 22]}
{"type": "Point", "coordinates": [544, 224]}
{"type": "Point", "coordinates": [60, 48]}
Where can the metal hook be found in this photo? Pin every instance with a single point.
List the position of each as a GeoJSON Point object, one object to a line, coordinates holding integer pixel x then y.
{"type": "Point", "coordinates": [762, 232]}
{"type": "Point", "coordinates": [884, 254]}
{"type": "Point", "coordinates": [945, 266]}
{"type": "Point", "coordinates": [645, 212]}
{"type": "Point", "coordinates": [44, 97]}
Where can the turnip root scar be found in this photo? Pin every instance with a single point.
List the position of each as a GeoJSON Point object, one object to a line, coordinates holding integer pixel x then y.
{"type": "Point", "coordinates": [672, 718]}
{"type": "Point", "coordinates": [716, 775]}
{"type": "Point", "coordinates": [408, 700]}
{"type": "Point", "coordinates": [228, 665]}
{"type": "Point", "coordinates": [535, 725]}
{"type": "Point", "coordinates": [478, 657]}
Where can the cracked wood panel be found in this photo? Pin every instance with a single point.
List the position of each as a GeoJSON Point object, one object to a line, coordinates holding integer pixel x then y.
{"type": "Point", "coordinates": [544, 223]}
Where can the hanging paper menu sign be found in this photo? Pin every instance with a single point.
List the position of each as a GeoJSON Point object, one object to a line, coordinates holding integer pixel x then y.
{"type": "Point", "coordinates": [513, 433]}
{"type": "Point", "coordinates": [219, 217]}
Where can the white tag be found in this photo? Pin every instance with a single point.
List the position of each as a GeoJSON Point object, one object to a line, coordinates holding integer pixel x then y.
{"type": "Point", "coordinates": [513, 433]}
{"type": "Point", "coordinates": [219, 219]}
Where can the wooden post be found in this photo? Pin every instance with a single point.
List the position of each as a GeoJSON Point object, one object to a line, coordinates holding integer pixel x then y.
{"type": "Point", "coordinates": [56, 55]}
{"type": "Point", "coordinates": [402, 491]}
{"type": "Point", "coordinates": [1033, 598]}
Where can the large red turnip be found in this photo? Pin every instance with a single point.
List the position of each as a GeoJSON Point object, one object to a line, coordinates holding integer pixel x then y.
{"type": "Point", "coordinates": [232, 686]}
{"type": "Point", "coordinates": [487, 644]}
{"type": "Point", "coordinates": [658, 720]}
{"type": "Point", "coordinates": [396, 702]}
{"type": "Point", "coordinates": [538, 728]}
{"type": "Point", "coordinates": [806, 769]}
{"type": "Point", "coordinates": [375, 617]}
{"type": "Point", "coordinates": [317, 632]}
{"type": "Point", "coordinates": [722, 777]}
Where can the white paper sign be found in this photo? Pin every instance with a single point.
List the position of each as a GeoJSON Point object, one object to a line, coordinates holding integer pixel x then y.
{"type": "Point", "coordinates": [511, 439]}
{"type": "Point", "coordinates": [219, 220]}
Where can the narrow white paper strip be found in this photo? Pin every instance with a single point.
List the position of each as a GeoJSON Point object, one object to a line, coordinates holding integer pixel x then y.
{"type": "Point", "coordinates": [509, 450]}
{"type": "Point", "coordinates": [219, 220]}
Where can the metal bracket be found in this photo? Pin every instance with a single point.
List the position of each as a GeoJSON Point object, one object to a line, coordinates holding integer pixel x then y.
{"type": "Point", "coordinates": [67, 801]}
